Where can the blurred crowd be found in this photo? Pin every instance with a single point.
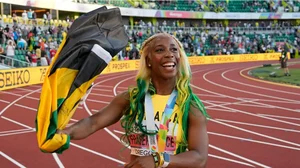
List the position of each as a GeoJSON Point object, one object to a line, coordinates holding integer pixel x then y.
{"type": "Point", "coordinates": [36, 45]}
{"type": "Point", "coordinates": [207, 5]}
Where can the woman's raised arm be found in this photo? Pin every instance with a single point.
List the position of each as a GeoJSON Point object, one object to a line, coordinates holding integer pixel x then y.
{"type": "Point", "coordinates": [105, 117]}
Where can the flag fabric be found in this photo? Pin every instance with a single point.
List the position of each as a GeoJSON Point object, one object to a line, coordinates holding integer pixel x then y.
{"type": "Point", "coordinates": [88, 47]}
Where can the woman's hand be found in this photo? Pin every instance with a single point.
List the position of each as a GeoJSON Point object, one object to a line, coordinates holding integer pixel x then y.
{"type": "Point", "coordinates": [142, 162]}
{"type": "Point", "coordinates": [61, 132]}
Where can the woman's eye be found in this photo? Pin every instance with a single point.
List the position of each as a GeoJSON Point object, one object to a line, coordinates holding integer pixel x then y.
{"type": "Point", "coordinates": [174, 49]}
{"type": "Point", "coordinates": [159, 50]}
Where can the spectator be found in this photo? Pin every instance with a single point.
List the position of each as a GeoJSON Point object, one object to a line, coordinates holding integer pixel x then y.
{"type": "Point", "coordinates": [44, 60]}
{"type": "Point", "coordinates": [34, 59]}
{"type": "Point", "coordinates": [24, 17]}
{"type": "Point", "coordinates": [10, 52]}
{"type": "Point", "coordinates": [1, 55]}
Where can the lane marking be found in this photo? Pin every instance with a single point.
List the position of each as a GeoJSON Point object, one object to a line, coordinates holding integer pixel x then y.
{"type": "Point", "coordinates": [255, 133]}
{"type": "Point", "coordinates": [29, 97]}
{"type": "Point", "coordinates": [103, 90]}
{"type": "Point", "coordinates": [5, 108]}
{"type": "Point", "coordinates": [220, 109]}
{"type": "Point", "coordinates": [257, 125]}
{"type": "Point", "coordinates": [16, 122]}
{"type": "Point", "coordinates": [254, 141]}
{"type": "Point", "coordinates": [101, 95]}
{"type": "Point", "coordinates": [97, 101]}
{"type": "Point", "coordinates": [244, 112]}
{"type": "Point", "coordinates": [230, 160]}
{"type": "Point", "coordinates": [238, 156]}
{"type": "Point", "coordinates": [57, 160]}
{"type": "Point", "coordinates": [16, 133]}
{"type": "Point", "coordinates": [254, 86]}
{"type": "Point", "coordinates": [97, 153]}
{"type": "Point", "coordinates": [277, 116]}
{"type": "Point", "coordinates": [248, 92]}
{"type": "Point", "coordinates": [12, 160]}
{"type": "Point", "coordinates": [18, 130]}
{"type": "Point", "coordinates": [263, 81]}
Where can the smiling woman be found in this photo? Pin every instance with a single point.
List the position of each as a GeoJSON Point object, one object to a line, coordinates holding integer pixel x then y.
{"type": "Point", "coordinates": [164, 121]}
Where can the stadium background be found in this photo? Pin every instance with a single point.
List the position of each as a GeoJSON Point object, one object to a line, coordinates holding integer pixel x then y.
{"type": "Point", "coordinates": [205, 28]}
{"type": "Point", "coordinates": [212, 32]}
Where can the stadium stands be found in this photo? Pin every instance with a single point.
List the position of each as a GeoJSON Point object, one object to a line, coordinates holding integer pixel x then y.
{"type": "Point", "coordinates": [209, 5]}
{"type": "Point", "coordinates": [210, 39]}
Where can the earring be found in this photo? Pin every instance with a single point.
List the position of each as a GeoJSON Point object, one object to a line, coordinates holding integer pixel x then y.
{"type": "Point", "coordinates": [149, 65]}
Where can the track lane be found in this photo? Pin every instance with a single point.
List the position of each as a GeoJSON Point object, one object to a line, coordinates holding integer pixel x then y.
{"type": "Point", "coordinates": [265, 151]}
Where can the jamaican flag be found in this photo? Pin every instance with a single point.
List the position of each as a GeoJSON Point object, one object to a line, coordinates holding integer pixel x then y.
{"type": "Point", "coordinates": [91, 42]}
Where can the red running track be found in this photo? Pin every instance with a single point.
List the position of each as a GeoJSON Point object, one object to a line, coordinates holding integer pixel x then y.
{"type": "Point", "coordinates": [253, 124]}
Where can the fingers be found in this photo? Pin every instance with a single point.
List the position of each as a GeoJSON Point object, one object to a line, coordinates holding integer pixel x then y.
{"type": "Point", "coordinates": [130, 165]}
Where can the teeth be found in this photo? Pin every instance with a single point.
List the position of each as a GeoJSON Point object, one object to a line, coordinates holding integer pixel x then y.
{"type": "Point", "coordinates": [169, 64]}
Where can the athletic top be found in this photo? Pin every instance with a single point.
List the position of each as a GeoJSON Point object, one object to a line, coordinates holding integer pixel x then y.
{"type": "Point", "coordinates": [139, 145]}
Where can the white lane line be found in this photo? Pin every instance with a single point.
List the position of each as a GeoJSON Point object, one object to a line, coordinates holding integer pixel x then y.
{"type": "Point", "coordinates": [106, 129]}
{"type": "Point", "coordinates": [254, 141]}
{"type": "Point", "coordinates": [116, 86]}
{"type": "Point", "coordinates": [103, 86]}
{"type": "Point", "coordinates": [244, 112]}
{"type": "Point", "coordinates": [218, 102]}
{"type": "Point", "coordinates": [260, 116]}
{"type": "Point", "coordinates": [230, 103]}
{"type": "Point", "coordinates": [208, 95]}
{"type": "Point", "coordinates": [29, 97]}
{"type": "Point", "coordinates": [94, 110]}
{"type": "Point", "coordinates": [4, 109]}
{"type": "Point", "coordinates": [23, 89]}
{"type": "Point", "coordinates": [16, 133]}
{"type": "Point", "coordinates": [56, 158]}
{"type": "Point", "coordinates": [278, 101]}
{"type": "Point", "coordinates": [248, 92]}
{"type": "Point", "coordinates": [276, 116]}
{"type": "Point", "coordinates": [12, 160]}
{"type": "Point", "coordinates": [257, 125]}
{"type": "Point", "coordinates": [255, 105]}
{"type": "Point", "coordinates": [16, 122]}
{"type": "Point", "coordinates": [103, 90]}
{"type": "Point", "coordinates": [254, 86]}
{"type": "Point", "coordinates": [100, 86]}
{"type": "Point", "coordinates": [4, 101]}
{"type": "Point", "coordinates": [253, 93]}
{"type": "Point", "coordinates": [220, 109]}
{"type": "Point", "coordinates": [97, 153]}
{"type": "Point", "coordinates": [18, 130]}
{"type": "Point", "coordinates": [230, 160]}
{"type": "Point", "coordinates": [97, 101]}
{"type": "Point", "coordinates": [238, 156]}
{"type": "Point", "coordinates": [101, 95]}
{"type": "Point", "coordinates": [255, 133]}
{"type": "Point", "coordinates": [26, 107]}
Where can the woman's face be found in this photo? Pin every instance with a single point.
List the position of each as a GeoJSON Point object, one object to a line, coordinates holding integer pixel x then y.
{"type": "Point", "coordinates": [164, 57]}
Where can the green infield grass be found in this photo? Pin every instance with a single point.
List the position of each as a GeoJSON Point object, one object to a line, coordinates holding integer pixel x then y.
{"type": "Point", "coordinates": [275, 74]}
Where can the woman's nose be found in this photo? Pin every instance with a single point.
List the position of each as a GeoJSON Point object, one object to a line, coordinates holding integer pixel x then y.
{"type": "Point", "coordinates": [169, 54]}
